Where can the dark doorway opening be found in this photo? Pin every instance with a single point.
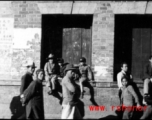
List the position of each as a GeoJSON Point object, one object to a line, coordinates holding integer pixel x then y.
{"type": "Point", "coordinates": [133, 38]}
{"type": "Point", "coordinates": [60, 32]}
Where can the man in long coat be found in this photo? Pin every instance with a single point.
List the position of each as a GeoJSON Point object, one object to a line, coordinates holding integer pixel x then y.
{"type": "Point", "coordinates": [33, 97]}
{"type": "Point", "coordinates": [26, 79]}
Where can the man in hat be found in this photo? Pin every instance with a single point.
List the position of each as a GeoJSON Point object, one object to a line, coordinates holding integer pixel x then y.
{"type": "Point", "coordinates": [85, 74]}
{"type": "Point", "coordinates": [51, 73]}
{"type": "Point", "coordinates": [70, 95]}
{"type": "Point", "coordinates": [27, 78]}
{"type": "Point", "coordinates": [33, 97]}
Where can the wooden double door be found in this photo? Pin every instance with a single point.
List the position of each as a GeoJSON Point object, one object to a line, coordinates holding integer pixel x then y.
{"type": "Point", "coordinates": [141, 50]}
{"type": "Point", "coordinates": [76, 43]}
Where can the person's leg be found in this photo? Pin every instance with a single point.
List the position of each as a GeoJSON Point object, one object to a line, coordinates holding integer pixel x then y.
{"type": "Point", "coordinates": [147, 114]}
{"type": "Point", "coordinates": [38, 112]}
{"type": "Point", "coordinates": [119, 94]}
{"type": "Point", "coordinates": [49, 85]}
{"type": "Point", "coordinates": [77, 114]}
{"type": "Point", "coordinates": [81, 80]}
{"type": "Point", "coordinates": [87, 84]}
{"type": "Point", "coordinates": [53, 80]}
{"type": "Point", "coordinates": [66, 110]}
{"type": "Point", "coordinates": [127, 114]}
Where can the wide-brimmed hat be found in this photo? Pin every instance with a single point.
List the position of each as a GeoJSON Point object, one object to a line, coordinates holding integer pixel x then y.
{"type": "Point", "coordinates": [51, 56]}
{"type": "Point", "coordinates": [69, 67]}
{"type": "Point", "coordinates": [29, 63]}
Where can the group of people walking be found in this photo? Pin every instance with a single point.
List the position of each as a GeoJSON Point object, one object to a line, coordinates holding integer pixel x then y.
{"type": "Point", "coordinates": [72, 78]}
{"type": "Point", "coordinates": [128, 95]}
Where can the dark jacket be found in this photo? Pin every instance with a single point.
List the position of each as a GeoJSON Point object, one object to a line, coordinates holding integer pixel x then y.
{"type": "Point", "coordinates": [62, 70]}
{"type": "Point", "coordinates": [148, 71]}
{"type": "Point", "coordinates": [25, 81]}
{"type": "Point", "coordinates": [33, 98]}
{"type": "Point", "coordinates": [85, 71]}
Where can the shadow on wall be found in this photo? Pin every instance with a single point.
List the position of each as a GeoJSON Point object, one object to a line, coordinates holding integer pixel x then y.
{"type": "Point", "coordinates": [17, 110]}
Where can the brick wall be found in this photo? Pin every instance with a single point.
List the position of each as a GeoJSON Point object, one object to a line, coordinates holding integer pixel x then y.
{"type": "Point", "coordinates": [27, 16]}
{"type": "Point", "coordinates": [103, 41]}
{"type": "Point", "coordinates": [25, 43]}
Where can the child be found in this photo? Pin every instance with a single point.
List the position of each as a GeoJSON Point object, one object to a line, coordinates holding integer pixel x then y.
{"type": "Point", "coordinates": [127, 98]}
{"type": "Point", "coordinates": [85, 74]}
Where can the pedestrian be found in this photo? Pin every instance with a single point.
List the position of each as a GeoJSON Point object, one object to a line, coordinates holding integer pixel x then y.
{"type": "Point", "coordinates": [26, 79]}
{"type": "Point", "coordinates": [62, 66]}
{"type": "Point", "coordinates": [70, 95]}
{"type": "Point", "coordinates": [85, 74]}
{"type": "Point", "coordinates": [128, 96]}
{"type": "Point", "coordinates": [123, 73]}
{"type": "Point", "coordinates": [52, 70]}
{"type": "Point", "coordinates": [33, 97]}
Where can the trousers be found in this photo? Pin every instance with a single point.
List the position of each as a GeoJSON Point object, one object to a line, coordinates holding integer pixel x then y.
{"type": "Point", "coordinates": [70, 112]}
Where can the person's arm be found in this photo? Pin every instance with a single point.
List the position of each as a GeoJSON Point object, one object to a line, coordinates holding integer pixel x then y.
{"type": "Point", "coordinates": [29, 92]}
{"type": "Point", "coordinates": [146, 86]}
{"type": "Point", "coordinates": [131, 78]}
{"type": "Point", "coordinates": [132, 91]}
{"type": "Point", "coordinates": [119, 80]}
{"type": "Point", "coordinates": [90, 73]}
{"type": "Point", "coordinates": [23, 84]}
{"type": "Point", "coordinates": [45, 69]}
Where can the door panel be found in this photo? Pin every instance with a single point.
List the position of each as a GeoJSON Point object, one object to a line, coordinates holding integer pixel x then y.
{"type": "Point", "coordinates": [141, 50]}
{"type": "Point", "coordinates": [146, 47]}
{"type": "Point", "coordinates": [137, 58]}
{"type": "Point", "coordinates": [66, 45]}
{"type": "Point", "coordinates": [86, 45]}
{"type": "Point", "coordinates": [76, 44]}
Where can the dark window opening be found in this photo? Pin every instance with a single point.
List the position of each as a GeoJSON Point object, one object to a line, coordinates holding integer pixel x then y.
{"type": "Point", "coordinates": [67, 36]}
{"type": "Point", "coordinates": [132, 43]}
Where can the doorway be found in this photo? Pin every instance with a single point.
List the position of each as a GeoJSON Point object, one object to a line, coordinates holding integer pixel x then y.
{"type": "Point", "coordinates": [67, 36]}
{"type": "Point", "coordinates": [133, 43]}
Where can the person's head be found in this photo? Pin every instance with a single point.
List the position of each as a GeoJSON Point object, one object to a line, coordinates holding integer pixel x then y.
{"type": "Point", "coordinates": [124, 81]}
{"type": "Point", "coordinates": [124, 66]}
{"type": "Point", "coordinates": [60, 61]}
{"type": "Point", "coordinates": [30, 65]}
{"type": "Point", "coordinates": [40, 74]}
{"type": "Point", "coordinates": [82, 61]}
{"type": "Point", "coordinates": [70, 71]}
{"type": "Point", "coordinates": [150, 59]}
{"type": "Point", "coordinates": [51, 58]}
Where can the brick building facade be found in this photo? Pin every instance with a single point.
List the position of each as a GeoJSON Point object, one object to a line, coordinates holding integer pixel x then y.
{"type": "Point", "coordinates": [21, 35]}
